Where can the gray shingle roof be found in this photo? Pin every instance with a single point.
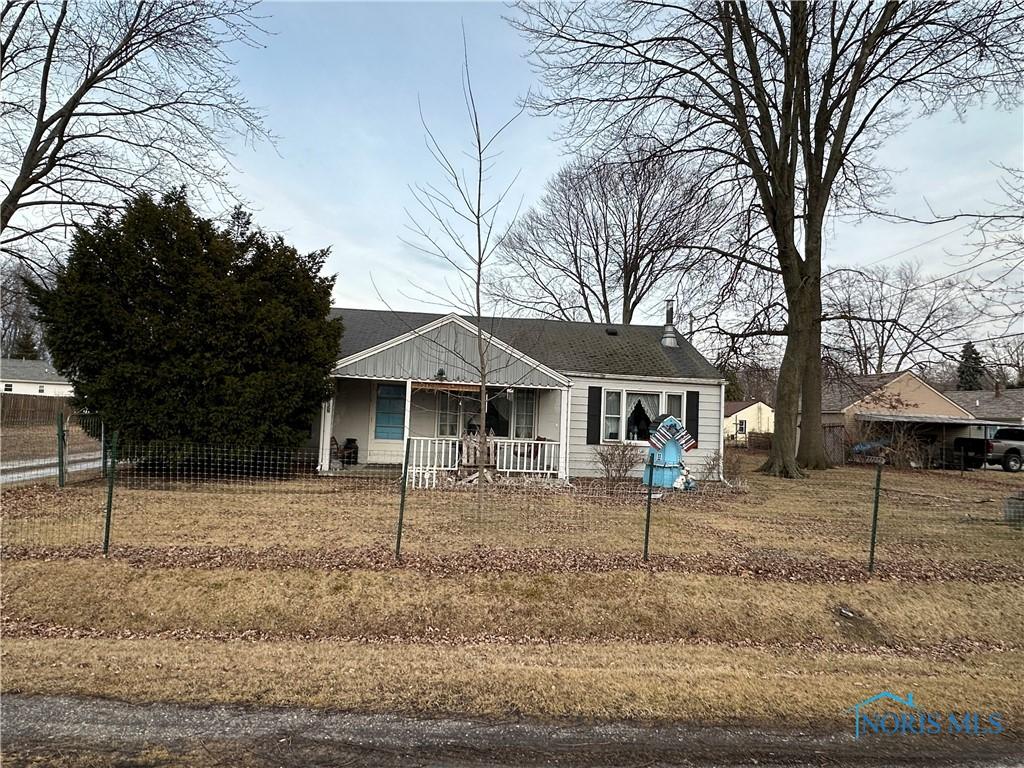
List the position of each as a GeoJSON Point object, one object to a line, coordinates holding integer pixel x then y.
{"type": "Point", "coordinates": [838, 393]}
{"type": "Point", "coordinates": [12, 369]}
{"type": "Point", "coordinates": [634, 350]}
{"type": "Point", "coordinates": [983, 404]}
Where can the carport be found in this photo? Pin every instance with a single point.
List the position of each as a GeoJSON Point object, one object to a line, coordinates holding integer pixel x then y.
{"type": "Point", "coordinates": [939, 432]}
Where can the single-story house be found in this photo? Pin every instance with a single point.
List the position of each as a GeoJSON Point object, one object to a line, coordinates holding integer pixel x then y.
{"type": "Point", "coordinates": [32, 377]}
{"type": "Point", "coordinates": [745, 416]}
{"type": "Point", "coordinates": [1004, 406]}
{"type": "Point", "coordinates": [848, 399]}
{"type": "Point", "coordinates": [557, 390]}
{"type": "Point", "coordinates": [878, 406]}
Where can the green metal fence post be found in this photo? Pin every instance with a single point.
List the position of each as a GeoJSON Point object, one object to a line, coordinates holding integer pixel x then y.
{"type": "Point", "coordinates": [401, 503]}
{"type": "Point", "coordinates": [103, 449]}
{"type": "Point", "coordinates": [650, 490]}
{"type": "Point", "coordinates": [111, 475]}
{"type": "Point", "coordinates": [60, 449]}
{"type": "Point", "coordinates": [874, 519]}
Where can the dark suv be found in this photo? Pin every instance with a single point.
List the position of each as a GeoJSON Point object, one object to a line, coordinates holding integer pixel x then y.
{"type": "Point", "coordinates": [1005, 447]}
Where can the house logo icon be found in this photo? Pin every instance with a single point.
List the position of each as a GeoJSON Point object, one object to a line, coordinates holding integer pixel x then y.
{"type": "Point", "coordinates": [904, 717]}
{"type": "Point", "coordinates": [907, 701]}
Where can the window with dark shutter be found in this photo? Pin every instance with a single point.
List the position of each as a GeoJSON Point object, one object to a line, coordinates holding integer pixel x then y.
{"type": "Point", "coordinates": [692, 414]}
{"type": "Point", "coordinates": [593, 415]}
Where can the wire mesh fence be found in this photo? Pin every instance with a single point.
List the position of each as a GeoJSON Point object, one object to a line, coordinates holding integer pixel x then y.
{"type": "Point", "coordinates": [37, 448]}
{"type": "Point", "coordinates": [221, 503]}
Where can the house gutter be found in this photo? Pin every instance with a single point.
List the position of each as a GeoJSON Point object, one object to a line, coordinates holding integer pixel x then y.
{"type": "Point", "coordinates": [656, 379]}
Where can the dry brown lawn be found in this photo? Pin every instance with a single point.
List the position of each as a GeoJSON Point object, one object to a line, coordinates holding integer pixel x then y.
{"type": "Point", "coordinates": [593, 680]}
{"type": "Point", "coordinates": [113, 598]}
{"type": "Point", "coordinates": [614, 642]}
{"type": "Point", "coordinates": [38, 442]}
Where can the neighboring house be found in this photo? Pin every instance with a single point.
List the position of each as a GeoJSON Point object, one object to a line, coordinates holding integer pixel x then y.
{"type": "Point", "coordinates": [558, 390]}
{"type": "Point", "coordinates": [1000, 405]}
{"type": "Point", "coordinates": [849, 399]}
{"type": "Point", "coordinates": [32, 377]}
{"type": "Point", "coordinates": [882, 406]}
{"type": "Point", "coordinates": [745, 416]}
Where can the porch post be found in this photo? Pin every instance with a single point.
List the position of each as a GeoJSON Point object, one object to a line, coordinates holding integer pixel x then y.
{"type": "Point", "coordinates": [563, 434]}
{"type": "Point", "coordinates": [408, 413]}
{"type": "Point", "coordinates": [721, 432]}
{"type": "Point", "coordinates": [324, 447]}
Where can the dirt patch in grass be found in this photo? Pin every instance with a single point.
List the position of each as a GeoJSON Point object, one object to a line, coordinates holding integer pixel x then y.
{"type": "Point", "coordinates": [607, 681]}
{"type": "Point", "coordinates": [402, 605]}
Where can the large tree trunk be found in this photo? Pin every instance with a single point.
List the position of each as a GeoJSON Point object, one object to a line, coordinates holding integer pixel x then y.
{"type": "Point", "coordinates": [811, 452]}
{"type": "Point", "coordinates": [782, 458]}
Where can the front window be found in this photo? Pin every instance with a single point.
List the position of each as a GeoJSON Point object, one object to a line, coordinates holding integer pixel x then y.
{"type": "Point", "coordinates": [741, 428]}
{"type": "Point", "coordinates": [525, 413]}
{"type": "Point", "coordinates": [447, 415]}
{"type": "Point", "coordinates": [499, 412]}
{"type": "Point", "coordinates": [612, 415]}
{"type": "Point", "coordinates": [641, 409]}
{"type": "Point", "coordinates": [674, 406]}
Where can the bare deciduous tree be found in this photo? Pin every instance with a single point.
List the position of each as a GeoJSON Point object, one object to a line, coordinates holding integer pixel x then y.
{"type": "Point", "coordinates": [100, 101]}
{"type": "Point", "coordinates": [1006, 361]}
{"type": "Point", "coordinates": [17, 320]}
{"type": "Point", "coordinates": [605, 236]}
{"type": "Point", "coordinates": [789, 101]}
{"type": "Point", "coordinates": [460, 223]}
{"type": "Point", "coordinates": [882, 318]}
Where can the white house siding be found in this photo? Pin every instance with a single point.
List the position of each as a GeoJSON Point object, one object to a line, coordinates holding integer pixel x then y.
{"type": "Point", "coordinates": [759, 418]}
{"type": "Point", "coordinates": [49, 388]}
{"type": "Point", "coordinates": [582, 458]}
{"type": "Point", "coordinates": [352, 412]}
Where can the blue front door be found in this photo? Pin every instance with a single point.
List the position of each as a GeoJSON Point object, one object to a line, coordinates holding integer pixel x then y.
{"type": "Point", "coordinates": [390, 417]}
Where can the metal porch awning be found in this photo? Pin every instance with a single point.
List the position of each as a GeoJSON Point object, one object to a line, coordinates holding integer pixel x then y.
{"type": "Point", "coordinates": [926, 419]}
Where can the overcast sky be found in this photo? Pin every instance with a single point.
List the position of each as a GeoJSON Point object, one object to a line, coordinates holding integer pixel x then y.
{"type": "Point", "coordinates": [340, 84]}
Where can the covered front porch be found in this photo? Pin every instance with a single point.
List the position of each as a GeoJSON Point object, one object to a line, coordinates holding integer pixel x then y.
{"type": "Point", "coordinates": [442, 429]}
{"type": "Point", "coordinates": [417, 396]}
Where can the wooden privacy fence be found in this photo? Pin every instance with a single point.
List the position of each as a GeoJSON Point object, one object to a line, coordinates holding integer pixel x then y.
{"type": "Point", "coordinates": [834, 437]}
{"type": "Point", "coordinates": [21, 409]}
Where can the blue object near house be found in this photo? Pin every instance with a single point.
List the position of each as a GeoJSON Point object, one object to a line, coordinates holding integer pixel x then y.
{"type": "Point", "coordinates": [667, 459]}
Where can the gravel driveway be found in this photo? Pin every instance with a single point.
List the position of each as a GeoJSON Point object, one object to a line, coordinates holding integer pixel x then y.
{"type": "Point", "coordinates": [68, 731]}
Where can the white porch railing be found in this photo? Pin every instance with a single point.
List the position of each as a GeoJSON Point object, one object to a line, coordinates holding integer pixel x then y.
{"type": "Point", "coordinates": [432, 457]}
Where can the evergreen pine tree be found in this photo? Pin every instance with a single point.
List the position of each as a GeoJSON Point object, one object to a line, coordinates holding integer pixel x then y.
{"type": "Point", "coordinates": [733, 388]}
{"type": "Point", "coordinates": [970, 372]}
{"type": "Point", "coordinates": [25, 347]}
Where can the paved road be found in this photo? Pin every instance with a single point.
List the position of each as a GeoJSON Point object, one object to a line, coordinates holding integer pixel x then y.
{"type": "Point", "coordinates": [41, 469]}
{"type": "Point", "coordinates": [69, 731]}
